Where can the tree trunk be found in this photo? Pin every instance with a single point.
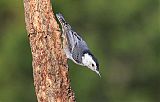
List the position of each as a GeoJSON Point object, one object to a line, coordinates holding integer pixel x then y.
{"type": "Point", "coordinates": [50, 70]}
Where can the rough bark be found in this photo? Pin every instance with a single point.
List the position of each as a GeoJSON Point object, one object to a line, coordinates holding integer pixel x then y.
{"type": "Point", "coordinates": [50, 70]}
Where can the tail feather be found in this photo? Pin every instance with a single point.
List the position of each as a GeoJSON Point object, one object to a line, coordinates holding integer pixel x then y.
{"type": "Point", "coordinates": [61, 18]}
{"type": "Point", "coordinates": [64, 24]}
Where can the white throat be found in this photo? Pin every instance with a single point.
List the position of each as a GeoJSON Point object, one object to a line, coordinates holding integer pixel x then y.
{"type": "Point", "coordinates": [86, 59]}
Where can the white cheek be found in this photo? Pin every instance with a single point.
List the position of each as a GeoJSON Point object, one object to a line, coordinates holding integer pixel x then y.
{"type": "Point", "coordinates": [86, 60]}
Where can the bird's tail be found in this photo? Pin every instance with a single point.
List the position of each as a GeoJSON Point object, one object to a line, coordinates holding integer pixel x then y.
{"type": "Point", "coordinates": [61, 19]}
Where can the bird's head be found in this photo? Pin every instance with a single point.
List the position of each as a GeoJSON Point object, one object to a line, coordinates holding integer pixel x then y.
{"type": "Point", "coordinates": [91, 62]}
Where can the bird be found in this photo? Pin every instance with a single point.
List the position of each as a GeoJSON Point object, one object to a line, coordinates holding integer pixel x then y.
{"type": "Point", "coordinates": [76, 48]}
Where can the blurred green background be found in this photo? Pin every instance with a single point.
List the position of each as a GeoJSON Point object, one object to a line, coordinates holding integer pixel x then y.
{"type": "Point", "coordinates": [124, 35]}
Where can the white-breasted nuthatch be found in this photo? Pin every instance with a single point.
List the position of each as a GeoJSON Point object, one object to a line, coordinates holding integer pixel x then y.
{"type": "Point", "coordinates": [76, 48]}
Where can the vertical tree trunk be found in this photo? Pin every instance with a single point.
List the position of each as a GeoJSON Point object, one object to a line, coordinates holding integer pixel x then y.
{"type": "Point", "coordinates": [50, 70]}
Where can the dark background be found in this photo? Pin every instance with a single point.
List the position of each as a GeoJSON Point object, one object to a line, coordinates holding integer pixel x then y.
{"type": "Point", "coordinates": [123, 34]}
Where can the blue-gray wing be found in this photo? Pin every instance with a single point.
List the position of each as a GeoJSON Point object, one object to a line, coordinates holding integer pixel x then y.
{"type": "Point", "coordinates": [71, 38]}
{"type": "Point", "coordinates": [78, 50]}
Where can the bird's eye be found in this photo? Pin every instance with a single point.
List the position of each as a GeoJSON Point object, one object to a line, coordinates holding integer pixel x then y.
{"type": "Point", "coordinates": [92, 65]}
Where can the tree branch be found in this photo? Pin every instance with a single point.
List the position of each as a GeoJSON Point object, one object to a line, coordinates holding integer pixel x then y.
{"type": "Point", "coordinates": [50, 70]}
